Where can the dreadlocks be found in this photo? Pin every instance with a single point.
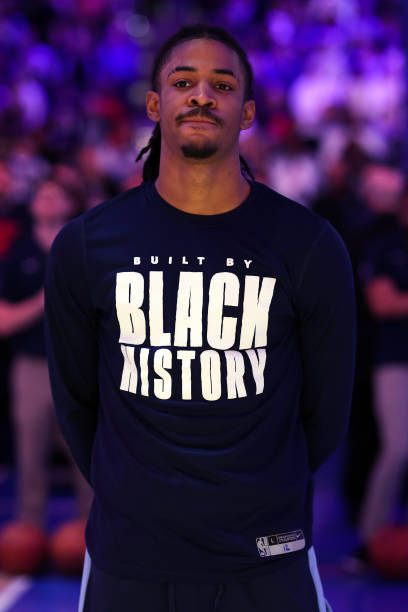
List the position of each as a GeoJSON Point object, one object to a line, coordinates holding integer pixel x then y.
{"type": "Point", "coordinates": [152, 163]}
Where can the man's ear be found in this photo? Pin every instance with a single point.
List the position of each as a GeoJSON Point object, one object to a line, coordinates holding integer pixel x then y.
{"type": "Point", "coordinates": [248, 114]}
{"type": "Point", "coordinates": [153, 105]}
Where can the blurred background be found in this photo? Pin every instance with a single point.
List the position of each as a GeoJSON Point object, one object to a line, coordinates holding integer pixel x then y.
{"type": "Point", "coordinates": [331, 133]}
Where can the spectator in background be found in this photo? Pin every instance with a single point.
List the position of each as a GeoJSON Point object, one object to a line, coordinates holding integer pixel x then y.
{"type": "Point", "coordinates": [21, 318]}
{"type": "Point", "coordinates": [13, 222]}
{"type": "Point", "coordinates": [116, 159]}
{"type": "Point", "coordinates": [293, 169]}
{"type": "Point", "coordinates": [342, 204]}
{"type": "Point", "coordinates": [96, 183]}
{"type": "Point", "coordinates": [383, 272]}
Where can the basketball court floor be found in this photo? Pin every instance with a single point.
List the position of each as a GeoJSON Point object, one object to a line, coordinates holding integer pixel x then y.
{"type": "Point", "coordinates": [334, 539]}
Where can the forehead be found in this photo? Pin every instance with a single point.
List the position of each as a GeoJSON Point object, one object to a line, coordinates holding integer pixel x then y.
{"type": "Point", "coordinates": [203, 54]}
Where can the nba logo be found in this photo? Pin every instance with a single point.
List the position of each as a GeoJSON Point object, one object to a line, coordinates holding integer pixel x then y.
{"type": "Point", "coordinates": [263, 547]}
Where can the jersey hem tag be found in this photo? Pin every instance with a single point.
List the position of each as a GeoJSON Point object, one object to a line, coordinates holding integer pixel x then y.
{"type": "Point", "coordinates": [280, 543]}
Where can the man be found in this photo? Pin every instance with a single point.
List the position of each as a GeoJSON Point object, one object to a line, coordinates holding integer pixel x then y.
{"type": "Point", "coordinates": [201, 341]}
{"type": "Point", "coordinates": [21, 319]}
{"type": "Point", "coordinates": [383, 273]}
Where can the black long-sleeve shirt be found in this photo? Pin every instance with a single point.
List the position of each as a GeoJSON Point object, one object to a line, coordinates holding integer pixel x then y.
{"type": "Point", "coordinates": [202, 370]}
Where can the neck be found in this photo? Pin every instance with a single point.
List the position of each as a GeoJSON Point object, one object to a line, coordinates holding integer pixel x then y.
{"type": "Point", "coordinates": [202, 187]}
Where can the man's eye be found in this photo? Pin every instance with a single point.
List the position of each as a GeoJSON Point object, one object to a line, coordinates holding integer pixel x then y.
{"type": "Point", "coordinates": [225, 87]}
{"type": "Point", "coordinates": [180, 83]}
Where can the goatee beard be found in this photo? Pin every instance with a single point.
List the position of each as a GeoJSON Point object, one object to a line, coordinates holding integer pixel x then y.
{"type": "Point", "coordinates": [193, 151]}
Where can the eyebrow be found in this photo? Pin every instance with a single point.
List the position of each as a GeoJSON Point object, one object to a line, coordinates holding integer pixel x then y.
{"type": "Point", "coordinates": [191, 69]}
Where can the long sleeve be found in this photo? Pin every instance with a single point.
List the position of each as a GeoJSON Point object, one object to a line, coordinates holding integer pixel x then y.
{"type": "Point", "coordinates": [326, 308]}
{"type": "Point", "coordinates": [71, 337]}
{"type": "Point", "coordinates": [203, 348]}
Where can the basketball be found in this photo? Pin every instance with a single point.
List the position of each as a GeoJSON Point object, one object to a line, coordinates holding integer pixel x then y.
{"type": "Point", "coordinates": [67, 547]}
{"type": "Point", "coordinates": [388, 551]}
{"type": "Point", "coordinates": [23, 548]}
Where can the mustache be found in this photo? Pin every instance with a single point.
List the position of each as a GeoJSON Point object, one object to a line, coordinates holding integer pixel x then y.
{"type": "Point", "coordinates": [200, 112]}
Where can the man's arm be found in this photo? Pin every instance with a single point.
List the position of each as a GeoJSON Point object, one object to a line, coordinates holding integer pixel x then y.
{"type": "Point", "coordinates": [15, 317]}
{"type": "Point", "coordinates": [72, 343]}
{"type": "Point", "coordinates": [326, 308]}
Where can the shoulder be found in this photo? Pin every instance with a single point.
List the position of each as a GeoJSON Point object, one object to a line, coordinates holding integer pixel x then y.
{"type": "Point", "coordinates": [288, 210]}
{"type": "Point", "coordinates": [292, 223]}
{"type": "Point", "coordinates": [110, 215]}
{"type": "Point", "coordinates": [116, 206]}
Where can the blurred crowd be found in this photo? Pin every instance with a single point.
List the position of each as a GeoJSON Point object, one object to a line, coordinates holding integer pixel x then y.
{"type": "Point", "coordinates": [330, 79]}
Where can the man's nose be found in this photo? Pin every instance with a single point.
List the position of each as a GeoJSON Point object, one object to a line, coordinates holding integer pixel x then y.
{"type": "Point", "coordinates": [202, 96]}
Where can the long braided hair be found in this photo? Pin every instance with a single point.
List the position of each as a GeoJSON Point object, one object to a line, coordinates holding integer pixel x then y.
{"type": "Point", "coordinates": [152, 162]}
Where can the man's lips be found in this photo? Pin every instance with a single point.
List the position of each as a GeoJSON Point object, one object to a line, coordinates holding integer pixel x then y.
{"type": "Point", "coordinates": [193, 120]}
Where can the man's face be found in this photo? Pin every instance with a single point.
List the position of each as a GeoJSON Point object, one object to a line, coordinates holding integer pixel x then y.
{"type": "Point", "coordinates": [201, 105]}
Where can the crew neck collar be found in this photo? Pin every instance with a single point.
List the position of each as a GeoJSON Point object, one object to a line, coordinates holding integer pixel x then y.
{"type": "Point", "coordinates": [208, 220]}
